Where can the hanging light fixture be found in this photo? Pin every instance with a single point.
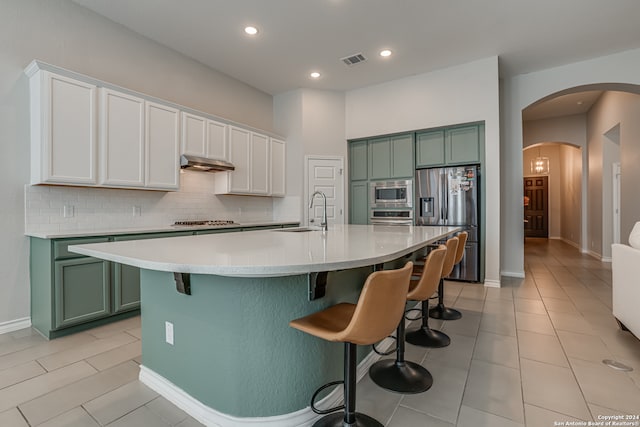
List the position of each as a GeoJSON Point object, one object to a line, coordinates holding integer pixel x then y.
{"type": "Point", "coordinates": [540, 165]}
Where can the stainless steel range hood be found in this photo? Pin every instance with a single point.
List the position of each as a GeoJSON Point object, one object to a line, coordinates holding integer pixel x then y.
{"type": "Point", "coordinates": [204, 165]}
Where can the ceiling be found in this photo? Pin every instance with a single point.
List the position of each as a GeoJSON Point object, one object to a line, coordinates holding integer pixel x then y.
{"type": "Point", "coordinates": [299, 36]}
{"type": "Point", "coordinates": [563, 105]}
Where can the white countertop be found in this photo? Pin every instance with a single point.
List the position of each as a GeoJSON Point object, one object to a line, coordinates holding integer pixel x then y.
{"type": "Point", "coordinates": [102, 231]}
{"type": "Point", "coordinates": [270, 253]}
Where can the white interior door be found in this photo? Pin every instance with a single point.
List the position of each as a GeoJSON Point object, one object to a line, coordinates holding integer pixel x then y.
{"type": "Point", "coordinates": [327, 175]}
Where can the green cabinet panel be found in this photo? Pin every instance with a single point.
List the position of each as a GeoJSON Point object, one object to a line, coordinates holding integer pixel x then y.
{"type": "Point", "coordinates": [402, 156]}
{"type": "Point", "coordinates": [358, 160]}
{"type": "Point", "coordinates": [430, 149]}
{"type": "Point", "coordinates": [211, 231]}
{"type": "Point", "coordinates": [82, 291]}
{"type": "Point", "coordinates": [463, 145]}
{"type": "Point", "coordinates": [358, 203]}
{"type": "Point", "coordinates": [391, 157]}
{"type": "Point", "coordinates": [61, 247]}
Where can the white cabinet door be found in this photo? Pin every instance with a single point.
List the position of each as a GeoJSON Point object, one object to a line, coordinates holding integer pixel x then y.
{"type": "Point", "coordinates": [216, 141]}
{"type": "Point", "coordinates": [63, 130]}
{"type": "Point", "coordinates": [194, 135]}
{"type": "Point", "coordinates": [162, 167]}
{"type": "Point", "coordinates": [278, 161]}
{"type": "Point", "coordinates": [121, 139]}
{"type": "Point", "coordinates": [239, 155]}
{"type": "Point", "coordinates": [260, 172]}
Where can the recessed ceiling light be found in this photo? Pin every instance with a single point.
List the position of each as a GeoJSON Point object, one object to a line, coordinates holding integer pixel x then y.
{"type": "Point", "coordinates": [385, 53]}
{"type": "Point", "coordinates": [252, 31]}
{"type": "Point", "coordinates": [314, 75]}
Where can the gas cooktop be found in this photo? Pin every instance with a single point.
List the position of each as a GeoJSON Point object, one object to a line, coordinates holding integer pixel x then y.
{"type": "Point", "coordinates": [213, 222]}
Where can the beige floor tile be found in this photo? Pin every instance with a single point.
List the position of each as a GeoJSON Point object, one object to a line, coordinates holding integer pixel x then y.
{"type": "Point", "coordinates": [473, 291]}
{"type": "Point", "coordinates": [443, 399]}
{"type": "Point", "coordinates": [115, 327]}
{"type": "Point", "coordinates": [622, 344]}
{"type": "Point", "coordinates": [17, 344]}
{"type": "Point", "coordinates": [553, 292]}
{"type": "Point", "coordinates": [116, 356]}
{"type": "Point", "coordinates": [470, 417]}
{"type": "Point", "coordinates": [554, 388]}
{"type": "Point", "coordinates": [542, 348]}
{"type": "Point", "coordinates": [190, 422]}
{"type": "Point", "coordinates": [499, 324]}
{"type": "Point", "coordinates": [534, 323]}
{"type": "Point", "coordinates": [572, 322]}
{"type": "Point", "coordinates": [171, 413]}
{"type": "Point", "coordinates": [455, 355]}
{"type": "Point", "coordinates": [66, 398]}
{"type": "Point", "coordinates": [585, 347]}
{"type": "Point", "coordinates": [467, 325]}
{"type": "Point", "coordinates": [30, 389]}
{"type": "Point", "coordinates": [559, 305]}
{"type": "Point", "coordinates": [44, 348]}
{"type": "Point", "coordinates": [495, 348]}
{"type": "Point", "coordinates": [469, 304]}
{"type": "Point", "coordinates": [136, 332]}
{"type": "Point", "coordinates": [495, 389]}
{"type": "Point", "coordinates": [530, 306]}
{"type": "Point", "coordinates": [141, 417]}
{"type": "Point", "coordinates": [404, 417]}
{"type": "Point", "coordinates": [607, 387]}
{"type": "Point", "coordinates": [526, 293]}
{"type": "Point", "coordinates": [12, 418]}
{"type": "Point", "coordinates": [598, 411]}
{"type": "Point", "coordinates": [93, 348]}
{"type": "Point", "coordinates": [536, 416]}
{"type": "Point", "coordinates": [119, 402]}
{"type": "Point", "coordinates": [499, 307]}
{"type": "Point", "coordinates": [504, 293]}
{"type": "Point", "coordinates": [590, 304]}
{"type": "Point", "coordinates": [20, 373]}
{"type": "Point", "coordinates": [76, 417]}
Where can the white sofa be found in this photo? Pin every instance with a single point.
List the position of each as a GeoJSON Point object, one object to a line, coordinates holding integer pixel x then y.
{"type": "Point", "coordinates": [626, 286]}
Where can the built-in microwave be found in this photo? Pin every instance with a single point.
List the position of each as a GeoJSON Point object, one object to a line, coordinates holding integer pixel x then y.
{"type": "Point", "coordinates": [391, 194]}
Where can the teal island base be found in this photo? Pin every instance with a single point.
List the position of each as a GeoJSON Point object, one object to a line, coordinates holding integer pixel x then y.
{"type": "Point", "coordinates": [234, 359]}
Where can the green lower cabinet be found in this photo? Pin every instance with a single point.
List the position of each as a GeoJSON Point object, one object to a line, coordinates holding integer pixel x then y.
{"type": "Point", "coordinates": [82, 290]}
{"type": "Point", "coordinates": [126, 288]}
{"type": "Point", "coordinates": [358, 203]}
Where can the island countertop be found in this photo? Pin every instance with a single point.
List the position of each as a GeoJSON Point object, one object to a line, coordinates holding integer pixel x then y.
{"type": "Point", "coordinates": [270, 253]}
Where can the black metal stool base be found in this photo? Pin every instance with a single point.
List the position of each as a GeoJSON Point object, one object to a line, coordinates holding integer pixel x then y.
{"type": "Point", "coordinates": [337, 420]}
{"type": "Point", "coordinates": [444, 313]}
{"type": "Point", "coordinates": [402, 377]}
{"type": "Point", "coordinates": [428, 338]}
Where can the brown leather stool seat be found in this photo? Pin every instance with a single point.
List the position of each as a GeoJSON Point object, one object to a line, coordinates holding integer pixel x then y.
{"type": "Point", "coordinates": [425, 336]}
{"type": "Point", "coordinates": [375, 316]}
{"type": "Point", "coordinates": [401, 375]}
{"type": "Point", "coordinates": [440, 311]}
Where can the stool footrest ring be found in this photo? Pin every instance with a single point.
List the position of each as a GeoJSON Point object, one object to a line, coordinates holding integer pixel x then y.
{"type": "Point", "coordinates": [315, 394]}
{"type": "Point", "coordinates": [385, 353]}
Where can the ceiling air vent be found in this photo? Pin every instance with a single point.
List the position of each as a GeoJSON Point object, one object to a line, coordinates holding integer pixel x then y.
{"type": "Point", "coordinates": [353, 59]}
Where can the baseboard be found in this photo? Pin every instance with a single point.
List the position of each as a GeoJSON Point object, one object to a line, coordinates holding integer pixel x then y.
{"type": "Point", "coordinates": [571, 243]}
{"type": "Point", "coordinates": [516, 274]}
{"type": "Point", "coordinates": [14, 325]}
{"type": "Point", "coordinates": [606, 259]}
{"type": "Point", "coordinates": [599, 257]}
{"type": "Point", "coordinates": [492, 283]}
{"type": "Point", "coordinates": [212, 418]}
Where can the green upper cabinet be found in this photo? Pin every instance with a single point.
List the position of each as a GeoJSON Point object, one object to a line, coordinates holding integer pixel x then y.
{"type": "Point", "coordinates": [463, 144]}
{"type": "Point", "coordinates": [358, 160]}
{"type": "Point", "coordinates": [391, 157]}
{"type": "Point", "coordinates": [451, 146]}
{"type": "Point", "coordinates": [430, 148]}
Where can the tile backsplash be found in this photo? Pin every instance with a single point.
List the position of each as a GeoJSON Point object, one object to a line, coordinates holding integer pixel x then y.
{"type": "Point", "coordinates": [60, 208]}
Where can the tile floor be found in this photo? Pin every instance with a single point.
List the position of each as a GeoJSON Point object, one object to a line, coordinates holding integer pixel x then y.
{"type": "Point", "coordinates": [528, 353]}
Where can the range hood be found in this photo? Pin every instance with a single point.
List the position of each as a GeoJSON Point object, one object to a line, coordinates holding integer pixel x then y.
{"type": "Point", "coordinates": [195, 163]}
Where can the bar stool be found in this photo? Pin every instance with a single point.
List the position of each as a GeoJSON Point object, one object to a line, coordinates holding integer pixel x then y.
{"type": "Point", "coordinates": [425, 336]}
{"type": "Point", "coordinates": [380, 305]}
{"type": "Point", "coordinates": [401, 375]}
{"type": "Point", "coordinates": [440, 311]}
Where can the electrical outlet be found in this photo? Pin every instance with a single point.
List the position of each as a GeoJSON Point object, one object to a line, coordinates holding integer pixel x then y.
{"type": "Point", "coordinates": [168, 332]}
{"type": "Point", "coordinates": [68, 211]}
{"type": "Point", "coordinates": [137, 211]}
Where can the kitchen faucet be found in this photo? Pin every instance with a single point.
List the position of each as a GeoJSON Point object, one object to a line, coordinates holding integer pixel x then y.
{"type": "Point", "coordinates": [323, 224]}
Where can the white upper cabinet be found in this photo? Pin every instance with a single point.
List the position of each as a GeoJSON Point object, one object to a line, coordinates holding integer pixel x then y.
{"type": "Point", "coordinates": [162, 143]}
{"type": "Point", "coordinates": [64, 130]}
{"type": "Point", "coordinates": [278, 160]}
{"type": "Point", "coordinates": [260, 171]}
{"type": "Point", "coordinates": [122, 152]}
{"type": "Point", "coordinates": [203, 137]}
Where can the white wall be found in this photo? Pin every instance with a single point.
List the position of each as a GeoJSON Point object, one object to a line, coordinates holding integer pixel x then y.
{"type": "Point", "coordinates": [571, 216]}
{"type": "Point", "coordinates": [64, 34]}
{"type": "Point", "coordinates": [314, 122]}
{"type": "Point", "coordinates": [466, 93]}
{"type": "Point", "coordinates": [520, 92]}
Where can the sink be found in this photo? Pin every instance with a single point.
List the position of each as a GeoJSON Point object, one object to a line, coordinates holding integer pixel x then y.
{"type": "Point", "coordinates": [299, 229]}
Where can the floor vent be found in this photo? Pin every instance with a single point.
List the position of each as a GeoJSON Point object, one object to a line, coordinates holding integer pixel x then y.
{"type": "Point", "coordinates": [617, 365]}
{"type": "Point", "coordinates": [353, 59]}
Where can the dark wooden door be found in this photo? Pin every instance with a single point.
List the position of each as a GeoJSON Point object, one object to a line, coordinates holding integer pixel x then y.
{"type": "Point", "coordinates": [536, 209]}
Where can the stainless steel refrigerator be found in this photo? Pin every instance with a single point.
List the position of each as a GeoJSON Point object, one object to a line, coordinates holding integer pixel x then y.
{"type": "Point", "coordinates": [451, 196]}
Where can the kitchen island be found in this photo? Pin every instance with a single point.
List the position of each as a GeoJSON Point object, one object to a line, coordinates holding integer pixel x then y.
{"type": "Point", "coordinates": [215, 313]}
